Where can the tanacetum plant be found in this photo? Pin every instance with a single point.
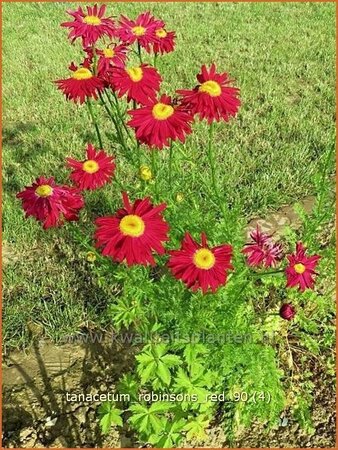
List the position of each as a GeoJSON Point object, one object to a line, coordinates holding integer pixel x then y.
{"type": "Point", "coordinates": [197, 283]}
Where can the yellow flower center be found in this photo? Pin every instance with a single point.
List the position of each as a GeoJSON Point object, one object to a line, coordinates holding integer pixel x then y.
{"type": "Point", "coordinates": [138, 30]}
{"type": "Point", "coordinates": [212, 88]}
{"type": "Point", "coordinates": [204, 259]}
{"type": "Point", "coordinates": [44, 190]}
{"type": "Point", "coordinates": [299, 268]}
{"type": "Point", "coordinates": [108, 52]}
{"type": "Point", "coordinates": [161, 33]}
{"type": "Point", "coordinates": [92, 20]}
{"type": "Point", "coordinates": [90, 166]}
{"type": "Point", "coordinates": [132, 225]}
{"type": "Point", "coordinates": [135, 73]}
{"type": "Point", "coordinates": [82, 74]}
{"type": "Point", "coordinates": [161, 111]}
{"type": "Point", "coordinates": [145, 173]}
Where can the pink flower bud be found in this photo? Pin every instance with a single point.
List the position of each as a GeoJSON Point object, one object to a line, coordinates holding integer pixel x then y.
{"type": "Point", "coordinates": [287, 311]}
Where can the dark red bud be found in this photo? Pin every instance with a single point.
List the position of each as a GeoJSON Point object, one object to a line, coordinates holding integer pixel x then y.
{"type": "Point", "coordinates": [287, 311]}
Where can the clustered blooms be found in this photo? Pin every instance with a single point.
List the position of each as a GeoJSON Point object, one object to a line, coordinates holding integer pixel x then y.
{"type": "Point", "coordinates": [262, 251]}
{"type": "Point", "coordinates": [111, 68]}
{"type": "Point", "coordinates": [142, 30]}
{"type": "Point", "coordinates": [138, 231]}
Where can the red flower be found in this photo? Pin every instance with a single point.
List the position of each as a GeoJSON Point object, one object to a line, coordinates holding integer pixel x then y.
{"type": "Point", "coordinates": [82, 85]}
{"type": "Point", "coordinates": [133, 233]}
{"type": "Point", "coordinates": [114, 55]}
{"type": "Point", "coordinates": [212, 99]}
{"type": "Point", "coordinates": [141, 30]}
{"type": "Point", "coordinates": [264, 251]}
{"type": "Point", "coordinates": [287, 311]}
{"type": "Point", "coordinates": [301, 269]}
{"type": "Point", "coordinates": [200, 266]}
{"type": "Point", "coordinates": [90, 26]}
{"type": "Point", "coordinates": [165, 42]}
{"type": "Point", "coordinates": [93, 172]}
{"type": "Point", "coordinates": [140, 83]}
{"type": "Point", "coordinates": [160, 122]}
{"type": "Point", "coordinates": [50, 203]}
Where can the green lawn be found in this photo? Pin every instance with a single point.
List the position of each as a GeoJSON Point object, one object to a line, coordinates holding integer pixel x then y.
{"type": "Point", "coordinates": [283, 59]}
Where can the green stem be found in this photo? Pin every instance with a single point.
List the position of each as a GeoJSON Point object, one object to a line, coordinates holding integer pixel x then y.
{"type": "Point", "coordinates": [115, 122]}
{"type": "Point", "coordinates": [116, 106]}
{"type": "Point", "coordinates": [262, 274]}
{"type": "Point", "coordinates": [138, 146]}
{"type": "Point", "coordinates": [139, 52]}
{"type": "Point", "coordinates": [215, 187]}
{"type": "Point", "coordinates": [138, 151]}
{"type": "Point", "coordinates": [92, 115]}
{"type": "Point", "coordinates": [155, 59]}
{"type": "Point", "coordinates": [154, 171]}
{"type": "Point", "coordinates": [212, 161]}
{"type": "Point", "coordinates": [170, 162]}
{"type": "Point", "coordinates": [94, 60]}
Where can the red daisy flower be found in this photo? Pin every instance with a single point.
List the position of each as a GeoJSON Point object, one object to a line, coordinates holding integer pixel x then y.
{"type": "Point", "coordinates": [263, 251]}
{"type": "Point", "coordinates": [90, 26]}
{"type": "Point", "coordinates": [140, 83]}
{"type": "Point", "coordinates": [82, 85]}
{"type": "Point", "coordinates": [212, 99]}
{"type": "Point", "coordinates": [93, 172]}
{"type": "Point", "coordinates": [301, 269]}
{"type": "Point", "coordinates": [50, 203]}
{"type": "Point", "coordinates": [200, 266]}
{"type": "Point", "coordinates": [165, 42]}
{"type": "Point", "coordinates": [133, 233]}
{"type": "Point", "coordinates": [159, 122]}
{"type": "Point", "coordinates": [141, 30]}
{"type": "Point", "coordinates": [114, 55]}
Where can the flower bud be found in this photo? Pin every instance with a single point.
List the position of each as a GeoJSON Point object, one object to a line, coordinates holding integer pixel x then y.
{"type": "Point", "coordinates": [179, 197]}
{"type": "Point", "coordinates": [287, 311]}
{"type": "Point", "coordinates": [145, 173]}
{"type": "Point", "coordinates": [91, 257]}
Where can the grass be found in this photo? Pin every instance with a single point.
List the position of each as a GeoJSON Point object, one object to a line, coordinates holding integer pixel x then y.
{"type": "Point", "coordinates": [283, 59]}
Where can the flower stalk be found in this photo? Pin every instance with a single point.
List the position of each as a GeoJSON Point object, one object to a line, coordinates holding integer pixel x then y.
{"type": "Point", "coordinates": [94, 121]}
{"type": "Point", "coordinates": [217, 194]}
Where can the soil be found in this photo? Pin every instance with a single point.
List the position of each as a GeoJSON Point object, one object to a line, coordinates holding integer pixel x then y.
{"type": "Point", "coordinates": [36, 412]}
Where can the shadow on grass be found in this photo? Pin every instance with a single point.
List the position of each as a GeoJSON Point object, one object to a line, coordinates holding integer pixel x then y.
{"type": "Point", "coordinates": [17, 152]}
{"type": "Point", "coordinates": [101, 366]}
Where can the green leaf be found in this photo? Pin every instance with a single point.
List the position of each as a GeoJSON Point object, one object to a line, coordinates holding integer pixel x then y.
{"type": "Point", "coordinates": [164, 373]}
{"type": "Point", "coordinates": [144, 358]}
{"type": "Point", "coordinates": [161, 407]}
{"type": "Point", "coordinates": [171, 360]}
{"type": "Point", "coordinates": [109, 416]}
{"type": "Point", "coordinates": [148, 372]}
{"type": "Point", "coordinates": [196, 428]}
